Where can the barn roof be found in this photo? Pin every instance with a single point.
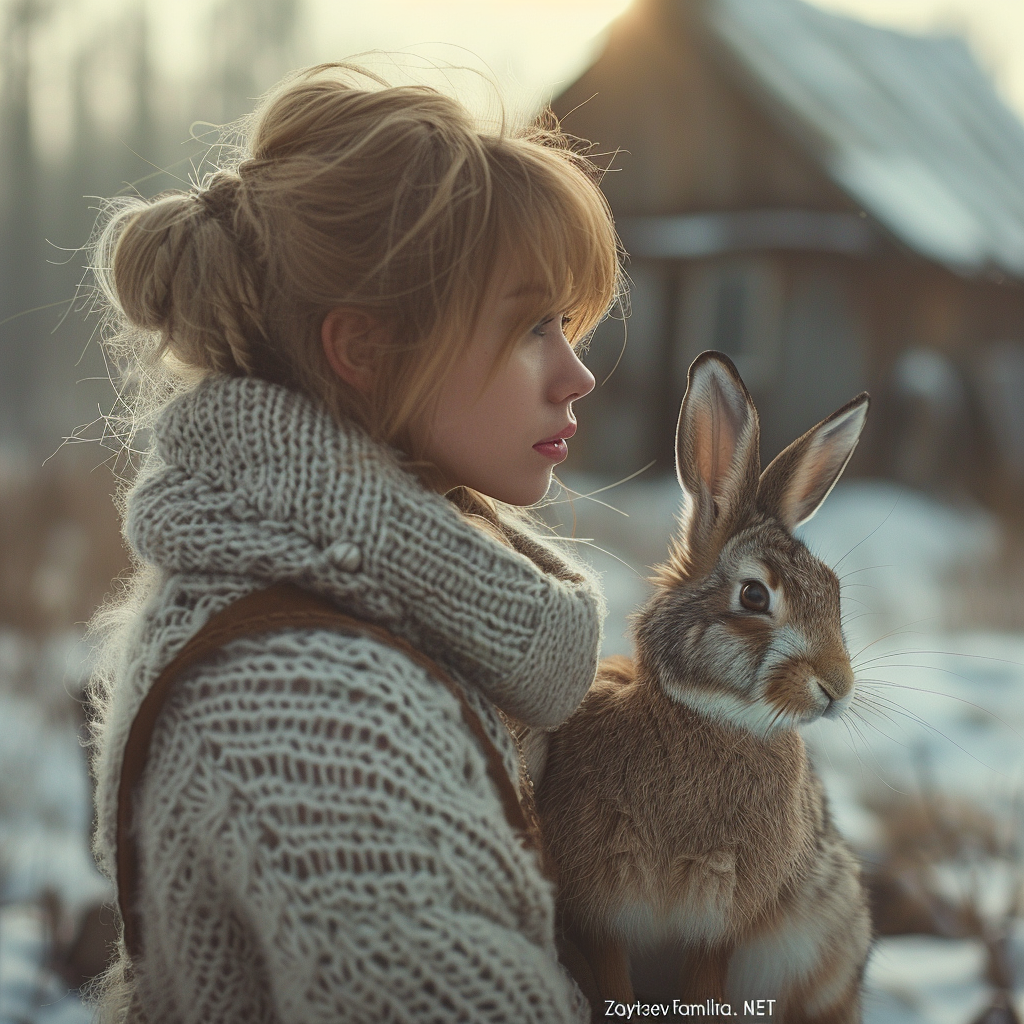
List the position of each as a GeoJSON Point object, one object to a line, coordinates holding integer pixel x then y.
{"type": "Point", "coordinates": [908, 125]}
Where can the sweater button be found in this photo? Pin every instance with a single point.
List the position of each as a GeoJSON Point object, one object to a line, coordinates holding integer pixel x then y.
{"type": "Point", "coordinates": [346, 555]}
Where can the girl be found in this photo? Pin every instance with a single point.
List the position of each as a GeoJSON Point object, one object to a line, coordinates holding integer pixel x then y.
{"type": "Point", "coordinates": [362, 337]}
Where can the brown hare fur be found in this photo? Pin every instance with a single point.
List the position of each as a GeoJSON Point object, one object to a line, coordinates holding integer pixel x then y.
{"type": "Point", "coordinates": [678, 803]}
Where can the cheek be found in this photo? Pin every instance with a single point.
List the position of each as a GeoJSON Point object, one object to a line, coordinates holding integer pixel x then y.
{"type": "Point", "coordinates": [725, 658]}
{"type": "Point", "coordinates": [518, 382]}
{"type": "Point", "coordinates": [481, 434]}
{"type": "Point", "coordinates": [510, 408]}
{"type": "Point", "coordinates": [458, 407]}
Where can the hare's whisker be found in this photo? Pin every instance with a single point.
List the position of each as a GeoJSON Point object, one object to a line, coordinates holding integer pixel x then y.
{"type": "Point", "coordinates": [852, 721]}
{"type": "Point", "coordinates": [854, 741]}
{"type": "Point", "coordinates": [779, 713]}
{"type": "Point", "coordinates": [853, 618]}
{"type": "Point", "coordinates": [878, 770]}
{"type": "Point", "coordinates": [864, 710]}
{"type": "Point", "coordinates": [939, 693]}
{"type": "Point", "coordinates": [956, 654]}
{"type": "Point", "coordinates": [898, 631]}
{"type": "Point", "coordinates": [828, 756]}
{"type": "Point", "coordinates": [869, 704]}
{"type": "Point", "coordinates": [859, 715]}
{"type": "Point", "coordinates": [866, 568]}
{"type": "Point", "coordinates": [893, 786]}
{"type": "Point", "coordinates": [870, 535]}
{"type": "Point", "coordinates": [914, 717]}
{"type": "Point", "coordinates": [859, 721]}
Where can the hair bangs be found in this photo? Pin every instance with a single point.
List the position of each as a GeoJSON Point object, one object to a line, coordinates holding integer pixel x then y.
{"type": "Point", "coordinates": [555, 223]}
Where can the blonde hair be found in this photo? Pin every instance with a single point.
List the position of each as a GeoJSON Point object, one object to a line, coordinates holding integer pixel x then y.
{"type": "Point", "coordinates": [348, 192]}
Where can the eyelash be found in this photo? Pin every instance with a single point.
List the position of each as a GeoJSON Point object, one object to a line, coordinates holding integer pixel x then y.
{"type": "Point", "coordinates": [538, 330]}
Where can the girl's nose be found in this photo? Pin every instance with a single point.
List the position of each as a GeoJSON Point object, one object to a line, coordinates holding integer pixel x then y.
{"type": "Point", "coordinates": [579, 381]}
{"type": "Point", "coordinates": [587, 381]}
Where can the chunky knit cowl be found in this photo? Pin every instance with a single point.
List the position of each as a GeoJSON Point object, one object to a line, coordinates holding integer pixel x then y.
{"type": "Point", "coordinates": [318, 837]}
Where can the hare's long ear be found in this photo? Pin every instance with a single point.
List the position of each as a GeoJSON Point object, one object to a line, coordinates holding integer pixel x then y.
{"type": "Point", "coordinates": [717, 459]}
{"type": "Point", "coordinates": [799, 479]}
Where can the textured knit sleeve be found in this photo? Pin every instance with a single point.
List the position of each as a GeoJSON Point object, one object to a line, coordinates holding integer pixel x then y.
{"type": "Point", "coordinates": [324, 845]}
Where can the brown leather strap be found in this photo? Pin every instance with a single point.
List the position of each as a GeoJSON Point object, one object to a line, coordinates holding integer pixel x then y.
{"type": "Point", "coordinates": [281, 606]}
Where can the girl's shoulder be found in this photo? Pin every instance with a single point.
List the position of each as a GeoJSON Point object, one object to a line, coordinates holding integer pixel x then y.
{"type": "Point", "coordinates": [333, 723]}
{"type": "Point", "coordinates": [324, 681]}
{"type": "Point", "coordinates": [313, 679]}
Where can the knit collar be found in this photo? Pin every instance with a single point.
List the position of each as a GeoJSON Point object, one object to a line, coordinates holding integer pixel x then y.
{"type": "Point", "coordinates": [254, 480]}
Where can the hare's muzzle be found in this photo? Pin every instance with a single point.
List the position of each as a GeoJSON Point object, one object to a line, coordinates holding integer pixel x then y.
{"type": "Point", "coordinates": [836, 683]}
{"type": "Point", "coordinates": [805, 688]}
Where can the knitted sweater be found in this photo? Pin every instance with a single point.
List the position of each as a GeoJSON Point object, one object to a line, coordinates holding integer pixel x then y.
{"type": "Point", "coordinates": [317, 834]}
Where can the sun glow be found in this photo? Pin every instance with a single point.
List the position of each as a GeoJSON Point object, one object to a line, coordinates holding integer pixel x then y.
{"type": "Point", "coordinates": [529, 48]}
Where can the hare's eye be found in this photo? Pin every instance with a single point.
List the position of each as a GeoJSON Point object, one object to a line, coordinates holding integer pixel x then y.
{"type": "Point", "coordinates": [754, 596]}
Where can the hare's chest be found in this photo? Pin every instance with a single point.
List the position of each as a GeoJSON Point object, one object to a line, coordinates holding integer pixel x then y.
{"type": "Point", "coordinates": [720, 798]}
{"type": "Point", "coordinates": [718, 846]}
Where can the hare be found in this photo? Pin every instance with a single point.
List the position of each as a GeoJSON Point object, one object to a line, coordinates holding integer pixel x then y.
{"type": "Point", "coordinates": [678, 803]}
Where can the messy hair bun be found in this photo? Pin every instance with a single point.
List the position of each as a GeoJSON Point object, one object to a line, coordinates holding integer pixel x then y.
{"type": "Point", "coordinates": [189, 267]}
{"type": "Point", "coordinates": [348, 191]}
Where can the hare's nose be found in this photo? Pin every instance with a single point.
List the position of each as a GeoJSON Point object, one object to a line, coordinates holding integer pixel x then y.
{"type": "Point", "coordinates": [835, 707]}
{"type": "Point", "coordinates": [836, 680]}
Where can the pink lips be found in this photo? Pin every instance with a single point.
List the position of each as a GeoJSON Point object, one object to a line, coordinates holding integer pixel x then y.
{"type": "Point", "coordinates": [555, 447]}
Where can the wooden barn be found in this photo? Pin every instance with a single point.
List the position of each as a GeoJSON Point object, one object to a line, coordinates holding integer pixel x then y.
{"type": "Point", "coordinates": [837, 206]}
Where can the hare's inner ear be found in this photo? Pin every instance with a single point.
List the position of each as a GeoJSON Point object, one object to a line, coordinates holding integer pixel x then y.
{"type": "Point", "coordinates": [717, 458]}
{"type": "Point", "coordinates": [793, 487]}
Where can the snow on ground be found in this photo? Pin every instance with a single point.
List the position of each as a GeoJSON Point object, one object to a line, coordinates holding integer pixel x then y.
{"type": "Point", "coordinates": [45, 819]}
{"type": "Point", "coordinates": [30, 994]}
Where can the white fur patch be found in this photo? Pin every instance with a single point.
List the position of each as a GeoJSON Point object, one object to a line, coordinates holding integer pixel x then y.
{"type": "Point", "coordinates": [769, 965]}
{"type": "Point", "coordinates": [694, 921]}
{"type": "Point", "coordinates": [731, 709]}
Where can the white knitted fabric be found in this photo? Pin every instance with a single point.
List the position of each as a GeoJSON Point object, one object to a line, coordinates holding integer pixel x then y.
{"type": "Point", "coordinates": [318, 838]}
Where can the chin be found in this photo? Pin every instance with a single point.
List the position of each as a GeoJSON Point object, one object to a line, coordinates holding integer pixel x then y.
{"type": "Point", "coordinates": [521, 494]}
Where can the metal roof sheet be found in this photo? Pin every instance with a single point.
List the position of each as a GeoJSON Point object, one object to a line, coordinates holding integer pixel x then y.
{"type": "Point", "coordinates": [908, 125]}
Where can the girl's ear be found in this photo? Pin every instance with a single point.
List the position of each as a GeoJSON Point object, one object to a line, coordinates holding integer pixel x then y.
{"type": "Point", "coordinates": [717, 457]}
{"type": "Point", "coordinates": [351, 338]}
{"type": "Point", "coordinates": [799, 479]}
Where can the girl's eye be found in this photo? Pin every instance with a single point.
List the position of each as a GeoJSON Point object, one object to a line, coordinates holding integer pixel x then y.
{"type": "Point", "coordinates": [539, 329]}
{"type": "Point", "coordinates": [754, 596]}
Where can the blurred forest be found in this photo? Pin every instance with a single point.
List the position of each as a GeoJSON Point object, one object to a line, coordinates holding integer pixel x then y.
{"type": "Point", "coordinates": [125, 133]}
{"type": "Point", "coordinates": [123, 130]}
